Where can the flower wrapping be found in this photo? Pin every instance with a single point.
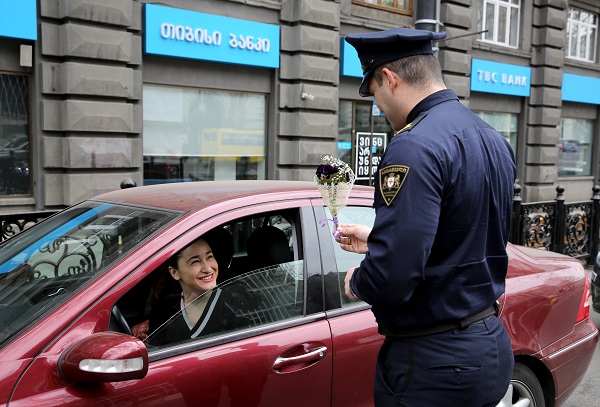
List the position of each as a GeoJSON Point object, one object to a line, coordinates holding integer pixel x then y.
{"type": "Point", "coordinates": [334, 179]}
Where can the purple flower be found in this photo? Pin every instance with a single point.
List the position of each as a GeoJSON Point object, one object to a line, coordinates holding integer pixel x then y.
{"type": "Point", "coordinates": [324, 171]}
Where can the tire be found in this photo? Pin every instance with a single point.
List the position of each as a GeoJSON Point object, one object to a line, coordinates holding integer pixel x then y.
{"type": "Point", "coordinates": [526, 386]}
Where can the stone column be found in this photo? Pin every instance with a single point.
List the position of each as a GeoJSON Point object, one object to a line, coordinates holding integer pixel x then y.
{"type": "Point", "coordinates": [308, 87]}
{"type": "Point", "coordinates": [455, 54]}
{"type": "Point", "coordinates": [545, 102]}
{"type": "Point", "coordinates": [89, 90]}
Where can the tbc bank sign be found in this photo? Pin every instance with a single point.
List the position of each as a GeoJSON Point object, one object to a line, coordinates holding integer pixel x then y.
{"type": "Point", "coordinates": [494, 77]}
{"type": "Point", "coordinates": [189, 34]}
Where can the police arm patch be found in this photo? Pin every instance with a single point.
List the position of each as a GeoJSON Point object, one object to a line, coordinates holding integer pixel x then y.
{"type": "Point", "coordinates": [391, 179]}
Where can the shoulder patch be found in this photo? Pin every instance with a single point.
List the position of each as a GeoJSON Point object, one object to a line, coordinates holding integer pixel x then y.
{"type": "Point", "coordinates": [391, 179]}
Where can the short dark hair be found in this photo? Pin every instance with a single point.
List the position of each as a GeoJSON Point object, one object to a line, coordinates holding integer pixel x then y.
{"type": "Point", "coordinates": [416, 70]}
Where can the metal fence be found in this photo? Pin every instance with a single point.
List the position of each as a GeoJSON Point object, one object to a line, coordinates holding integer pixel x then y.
{"type": "Point", "coordinates": [572, 229]}
{"type": "Point", "coordinates": [13, 224]}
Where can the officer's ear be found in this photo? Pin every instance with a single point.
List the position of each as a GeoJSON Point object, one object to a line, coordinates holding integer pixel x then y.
{"type": "Point", "coordinates": [389, 78]}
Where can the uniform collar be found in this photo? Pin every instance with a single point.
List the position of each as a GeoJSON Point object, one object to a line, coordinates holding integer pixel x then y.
{"type": "Point", "coordinates": [430, 101]}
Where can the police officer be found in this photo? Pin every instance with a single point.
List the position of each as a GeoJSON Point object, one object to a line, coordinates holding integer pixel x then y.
{"type": "Point", "coordinates": [436, 258]}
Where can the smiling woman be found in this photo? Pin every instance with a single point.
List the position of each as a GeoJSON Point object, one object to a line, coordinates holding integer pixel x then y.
{"type": "Point", "coordinates": [199, 309]}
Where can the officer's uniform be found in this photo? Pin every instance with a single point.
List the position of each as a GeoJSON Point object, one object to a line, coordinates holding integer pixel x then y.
{"type": "Point", "coordinates": [437, 257]}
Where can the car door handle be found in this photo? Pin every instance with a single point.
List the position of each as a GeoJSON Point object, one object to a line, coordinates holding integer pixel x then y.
{"type": "Point", "coordinates": [312, 355]}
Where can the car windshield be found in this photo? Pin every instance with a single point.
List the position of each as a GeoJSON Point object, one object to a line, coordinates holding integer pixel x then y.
{"type": "Point", "coordinates": [43, 266]}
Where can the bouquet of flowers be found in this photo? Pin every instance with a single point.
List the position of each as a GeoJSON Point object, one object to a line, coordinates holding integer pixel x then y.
{"type": "Point", "coordinates": [334, 179]}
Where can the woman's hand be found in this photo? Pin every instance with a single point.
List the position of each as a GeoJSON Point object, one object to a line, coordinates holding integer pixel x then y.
{"type": "Point", "coordinates": [353, 238]}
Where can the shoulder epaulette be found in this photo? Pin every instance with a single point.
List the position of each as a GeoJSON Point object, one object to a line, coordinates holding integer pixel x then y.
{"type": "Point", "coordinates": [411, 124]}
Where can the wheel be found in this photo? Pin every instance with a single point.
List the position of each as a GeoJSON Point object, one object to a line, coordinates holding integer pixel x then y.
{"type": "Point", "coordinates": [527, 390]}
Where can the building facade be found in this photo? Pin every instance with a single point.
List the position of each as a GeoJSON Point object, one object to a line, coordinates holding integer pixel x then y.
{"type": "Point", "coordinates": [93, 92]}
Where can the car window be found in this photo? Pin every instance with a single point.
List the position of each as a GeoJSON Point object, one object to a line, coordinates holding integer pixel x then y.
{"type": "Point", "coordinates": [345, 260]}
{"type": "Point", "coordinates": [44, 265]}
{"type": "Point", "coordinates": [260, 282]}
{"type": "Point", "coordinates": [257, 298]}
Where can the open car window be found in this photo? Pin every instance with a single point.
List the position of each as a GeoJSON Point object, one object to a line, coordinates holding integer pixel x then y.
{"type": "Point", "coordinates": [260, 281]}
{"type": "Point", "coordinates": [256, 298]}
{"type": "Point", "coordinates": [46, 264]}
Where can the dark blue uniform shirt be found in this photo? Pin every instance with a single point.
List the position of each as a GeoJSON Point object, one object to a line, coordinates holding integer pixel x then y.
{"type": "Point", "coordinates": [443, 199]}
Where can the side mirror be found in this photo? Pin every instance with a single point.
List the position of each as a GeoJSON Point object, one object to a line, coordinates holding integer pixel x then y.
{"type": "Point", "coordinates": [104, 357]}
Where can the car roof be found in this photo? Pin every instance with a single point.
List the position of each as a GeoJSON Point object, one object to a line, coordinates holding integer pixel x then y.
{"type": "Point", "coordinates": [189, 196]}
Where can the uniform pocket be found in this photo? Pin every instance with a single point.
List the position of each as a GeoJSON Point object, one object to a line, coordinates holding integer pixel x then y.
{"type": "Point", "coordinates": [456, 374]}
{"type": "Point", "coordinates": [464, 367]}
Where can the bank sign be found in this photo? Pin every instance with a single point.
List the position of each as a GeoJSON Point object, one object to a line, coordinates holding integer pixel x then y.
{"type": "Point", "coordinates": [18, 19]}
{"type": "Point", "coordinates": [350, 64]}
{"type": "Point", "coordinates": [495, 77]}
{"type": "Point", "coordinates": [582, 89]}
{"type": "Point", "coordinates": [188, 34]}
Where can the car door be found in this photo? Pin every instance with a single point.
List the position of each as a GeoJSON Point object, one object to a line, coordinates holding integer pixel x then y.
{"type": "Point", "coordinates": [284, 358]}
{"type": "Point", "coordinates": [356, 341]}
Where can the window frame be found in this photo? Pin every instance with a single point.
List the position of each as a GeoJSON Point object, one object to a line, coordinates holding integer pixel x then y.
{"type": "Point", "coordinates": [306, 237]}
{"type": "Point", "coordinates": [575, 54]}
{"type": "Point", "coordinates": [333, 291]}
{"type": "Point", "coordinates": [28, 169]}
{"type": "Point", "coordinates": [169, 166]}
{"type": "Point", "coordinates": [591, 146]}
{"type": "Point", "coordinates": [509, 6]}
{"type": "Point", "coordinates": [355, 104]}
{"type": "Point", "coordinates": [378, 6]}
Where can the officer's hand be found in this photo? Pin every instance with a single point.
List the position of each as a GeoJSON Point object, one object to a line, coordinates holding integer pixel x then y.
{"type": "Point", "coordinates": [353, 238]}
{"type": "Point", "coordinates": [349, 293]}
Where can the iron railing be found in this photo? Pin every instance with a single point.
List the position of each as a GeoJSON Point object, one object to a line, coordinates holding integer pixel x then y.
{"type": "Point", "coordinates": [15, 223]}
{"type": "Point", "coordinates": [571, 229]}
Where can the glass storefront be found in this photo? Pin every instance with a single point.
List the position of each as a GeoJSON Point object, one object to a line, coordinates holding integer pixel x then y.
{"type": "Point", "coordinates": [575, 147]}
{"type": "Point", "coordinates": [505, 124]}
{"type": "Point", "coordinates": [357, 146]}
{"type": "Point", "coordinates": [14, 135]}
{"type": "Point", "coordinates": [201, 135]}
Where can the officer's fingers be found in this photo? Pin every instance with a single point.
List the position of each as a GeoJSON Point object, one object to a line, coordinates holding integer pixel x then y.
{"type": "Point", "coordinates": [347, 247]}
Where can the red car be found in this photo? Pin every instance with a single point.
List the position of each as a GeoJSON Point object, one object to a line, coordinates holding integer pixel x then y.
{"type": "Point", "coordinates": [78, 290]}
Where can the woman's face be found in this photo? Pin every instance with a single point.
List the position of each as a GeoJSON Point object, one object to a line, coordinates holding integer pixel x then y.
{"type": "Point", "coordinates": [197, 270]}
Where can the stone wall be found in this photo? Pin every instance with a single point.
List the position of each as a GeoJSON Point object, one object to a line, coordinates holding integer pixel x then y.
{"type": "Point", "coordinates": [89, 89]}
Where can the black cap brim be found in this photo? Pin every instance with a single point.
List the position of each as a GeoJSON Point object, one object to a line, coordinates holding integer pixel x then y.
{"type": "Point", "coordinates": [364, 90]}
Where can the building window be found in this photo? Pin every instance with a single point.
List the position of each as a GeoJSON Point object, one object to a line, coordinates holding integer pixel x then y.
{"type": "Point", "coordinates": [362, 138]}
{"type": "Point", "coordinates": [392, 5]}
{"type": "Point", "coordinates": [505, 124]}
{"type": "Point", "coordinates": [582, 35]}
{"type": "Point", "coordinates": [500, 20]}
{"type": "Point", "coordinates": [14, 135]}
{"type": "Point", "coordinates": [200, 135]}
{"type": "Point", "coordinates": [575, 147]}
